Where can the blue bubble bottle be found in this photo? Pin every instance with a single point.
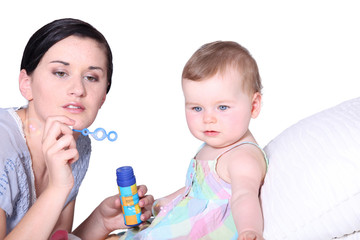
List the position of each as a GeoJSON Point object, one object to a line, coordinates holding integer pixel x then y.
{"type": "Point", "coordinates": [128, 196]}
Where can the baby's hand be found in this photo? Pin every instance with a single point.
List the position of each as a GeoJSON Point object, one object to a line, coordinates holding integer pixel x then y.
{"type": "Point", "coordinates": [250, 235]}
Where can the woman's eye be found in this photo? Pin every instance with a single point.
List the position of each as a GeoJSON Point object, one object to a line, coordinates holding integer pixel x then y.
{"type": "Point", "coordinates": [91, 78]}
{"type": "Point", "coordinates": [60, 74]}
{"type": "Point", "coordinates": [223, 107]}
{"type": "Point", "coordinates": [197, 109]}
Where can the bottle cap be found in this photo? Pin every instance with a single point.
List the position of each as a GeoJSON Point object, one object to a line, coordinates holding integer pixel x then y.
{"type": "Point", "coordinates": [125, 176]}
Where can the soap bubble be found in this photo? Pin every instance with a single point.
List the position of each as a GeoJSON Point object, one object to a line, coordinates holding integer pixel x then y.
{"type": "Point", "coordinates": [32, 126]}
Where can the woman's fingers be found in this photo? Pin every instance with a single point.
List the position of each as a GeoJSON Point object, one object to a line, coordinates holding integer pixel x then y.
{"type": "Point", "coordinates": [65, 148]}
{"type": "Point", "coordinates": [142, 190]}
{"type": "Point", "coordinates": [58, 136]}
{"type": "Point", "coordinates": [59, 149]}
{"type": "Point", "coordinates": [57, 120]}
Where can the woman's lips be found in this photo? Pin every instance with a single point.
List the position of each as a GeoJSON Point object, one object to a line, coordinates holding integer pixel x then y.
{"type": "Point", "coordinates": [74, 107]}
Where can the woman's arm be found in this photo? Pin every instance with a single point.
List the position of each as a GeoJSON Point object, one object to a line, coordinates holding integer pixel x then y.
{"type": "Point", "coordinates": [66, 218]}
{"type": "Point", "coordinates": [59, 151]}
{"type": "Point", "coordinates": [2, 224]}
{"type": "Point", "coordinates": [41, 218]}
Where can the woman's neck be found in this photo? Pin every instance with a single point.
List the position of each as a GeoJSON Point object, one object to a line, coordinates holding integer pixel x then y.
{"type": "Point", "coordinates": [33, 131]}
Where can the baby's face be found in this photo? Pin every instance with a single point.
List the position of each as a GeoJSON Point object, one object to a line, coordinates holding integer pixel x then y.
{"type": "Point", "coordinates": [218, 109]}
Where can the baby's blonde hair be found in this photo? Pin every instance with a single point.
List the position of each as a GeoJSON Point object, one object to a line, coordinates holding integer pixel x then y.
{"type": "Point", "coordinates": [217, 57]}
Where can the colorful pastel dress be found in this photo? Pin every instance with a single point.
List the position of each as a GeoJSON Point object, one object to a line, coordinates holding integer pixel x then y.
{"type": "Point", "coordinates": [202, 212]}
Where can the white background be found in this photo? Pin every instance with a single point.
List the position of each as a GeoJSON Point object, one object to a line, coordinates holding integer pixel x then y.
{"type": "Point", "coordinates": [307, 52]}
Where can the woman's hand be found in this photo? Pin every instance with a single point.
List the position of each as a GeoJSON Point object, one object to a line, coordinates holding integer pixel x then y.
{"type": "Point", "coordinates": [112, 215]}
{"type": "Point", "coordinates": [108, 216]}
{"type": "Point", "coordinates": [59, 150]}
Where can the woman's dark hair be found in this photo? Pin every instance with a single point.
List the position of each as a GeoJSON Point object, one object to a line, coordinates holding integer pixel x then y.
{"type": "Point", "coordinates": [53, 32]}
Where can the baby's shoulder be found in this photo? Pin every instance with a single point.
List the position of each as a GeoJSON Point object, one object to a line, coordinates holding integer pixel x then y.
{"type": "Point", "coordinates": [243, 152]}
{"type": "Point", "coordinates": [243, 159]}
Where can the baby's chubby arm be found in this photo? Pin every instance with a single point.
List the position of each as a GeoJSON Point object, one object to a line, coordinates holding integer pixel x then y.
{"type": "Point", "coordinates": [246, 170]}
{"type": "Point", "coordinates": [161, 202]}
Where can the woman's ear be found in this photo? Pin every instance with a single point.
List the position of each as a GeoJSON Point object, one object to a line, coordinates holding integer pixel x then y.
{"type": "Point", "coordinates": [256, 105]}
{"type": "Point", "coordinates": [25, 85]}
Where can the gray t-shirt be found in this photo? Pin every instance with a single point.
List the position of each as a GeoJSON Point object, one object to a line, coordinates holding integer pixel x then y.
{"type": "Point", "coordinates": [17, 187]}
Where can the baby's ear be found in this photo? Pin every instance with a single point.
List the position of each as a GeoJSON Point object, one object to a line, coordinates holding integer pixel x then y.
{"type": "Point", "coordinates": [256, 105]}
{"type": "Point", "coordinates": [25, 85]}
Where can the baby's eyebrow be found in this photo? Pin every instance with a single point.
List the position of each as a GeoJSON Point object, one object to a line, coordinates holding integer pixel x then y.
{"type": "Point", "coordinates": [191, 103]}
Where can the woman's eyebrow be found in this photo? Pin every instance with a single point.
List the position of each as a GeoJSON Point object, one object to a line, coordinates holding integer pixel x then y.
{"type": "Point", "coordinates": [67, 64]}
{"type": "Point", "coordinates": [59, 61]}
{"type": "Point", "coordinates": [96, 68]}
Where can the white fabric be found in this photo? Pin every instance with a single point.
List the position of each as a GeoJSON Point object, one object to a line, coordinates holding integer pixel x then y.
{"type": "Point", "coordinates": [312, 188]}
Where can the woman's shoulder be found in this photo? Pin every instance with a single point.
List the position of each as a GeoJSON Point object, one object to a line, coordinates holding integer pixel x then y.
{"type": "Point", "coordinates": [8, 119]}
{"type": "Point", "coordinates": [11, 137]}
{"type": "Point", "coordinates": [11, 126]}
{"type": "Point", "coordinates": [15, 169]}
{"type": "Point", "coordinates": [4, 115]}
{"type": "Point", "coordinates": [13, 148]}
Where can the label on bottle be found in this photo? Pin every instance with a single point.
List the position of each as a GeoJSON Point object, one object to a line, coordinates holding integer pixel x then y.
{"type": "Point", "coordinates": [130, 205]}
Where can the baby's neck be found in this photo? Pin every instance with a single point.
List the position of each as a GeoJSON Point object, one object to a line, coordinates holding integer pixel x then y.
{"type": "Point", "coordinates": [209, 152]}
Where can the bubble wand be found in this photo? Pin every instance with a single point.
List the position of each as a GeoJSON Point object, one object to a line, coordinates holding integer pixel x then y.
{"type": "Point", "coordinates": [99, 134]}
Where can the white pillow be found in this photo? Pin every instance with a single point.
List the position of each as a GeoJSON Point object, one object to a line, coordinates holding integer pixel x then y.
{"type": "Point", "coordinates": [312, 187]}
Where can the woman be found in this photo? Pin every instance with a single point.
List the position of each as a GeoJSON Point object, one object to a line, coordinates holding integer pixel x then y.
{"type": "Point", "coordinates": [65, 75]}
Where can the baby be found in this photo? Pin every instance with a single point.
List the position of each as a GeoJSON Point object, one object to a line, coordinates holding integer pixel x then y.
{"type": "Point", "coordinates": [222, 90]}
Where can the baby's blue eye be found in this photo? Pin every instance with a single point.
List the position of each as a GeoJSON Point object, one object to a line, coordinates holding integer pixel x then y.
{"type": "Point", "coordinates": [223, 107]}
{"type": "Point", "coordinates": [197, 109]}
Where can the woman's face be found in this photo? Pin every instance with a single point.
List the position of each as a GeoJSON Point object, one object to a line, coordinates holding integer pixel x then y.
{"type": "Point", "coordinates": [70, 80]}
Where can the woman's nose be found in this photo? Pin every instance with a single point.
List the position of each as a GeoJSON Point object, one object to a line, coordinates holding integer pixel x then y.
{"type": "Point", "coordinates": [77, 87]}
